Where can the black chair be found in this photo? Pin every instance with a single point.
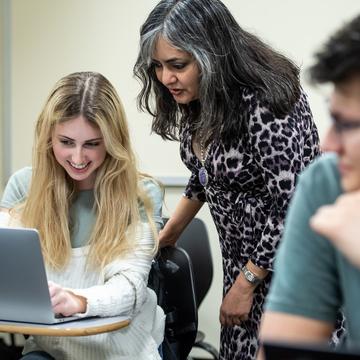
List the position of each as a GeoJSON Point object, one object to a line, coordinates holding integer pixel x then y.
{"type": "Point", "coordinates": [195, 241]}
{"type": "Point", "coordinates": [10, 352]}
{"type": "Point", "coordinates": [171, 277]}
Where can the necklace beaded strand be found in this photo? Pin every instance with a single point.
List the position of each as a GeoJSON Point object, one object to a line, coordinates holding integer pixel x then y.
{"type": "Point", "coordinates": [203, 174]}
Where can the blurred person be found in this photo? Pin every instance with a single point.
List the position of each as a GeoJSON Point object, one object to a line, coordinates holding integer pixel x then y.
{"type": "Point", "coordinates": [315, 272]}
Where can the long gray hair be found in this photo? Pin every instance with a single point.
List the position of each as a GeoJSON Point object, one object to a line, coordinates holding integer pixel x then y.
{"type": "Point", "coordinates": [229, 58]}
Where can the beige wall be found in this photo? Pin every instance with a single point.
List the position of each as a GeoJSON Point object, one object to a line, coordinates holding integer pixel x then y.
{"type": "Point", "coordinates": [50, 39]}
{"type": "Point", "coordinates": [53, 38]}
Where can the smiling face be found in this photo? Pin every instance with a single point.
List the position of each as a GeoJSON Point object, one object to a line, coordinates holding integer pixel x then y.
{"type": "Point", "coordinates": [344, 135]}
{"type": "Point", "coordinates": [79, 148]}
{"type": "Point", "coordinates": [177, 70]}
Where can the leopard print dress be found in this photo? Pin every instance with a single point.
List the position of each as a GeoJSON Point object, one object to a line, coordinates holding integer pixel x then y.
{"type": "Point", "coordinates": [251, 180]}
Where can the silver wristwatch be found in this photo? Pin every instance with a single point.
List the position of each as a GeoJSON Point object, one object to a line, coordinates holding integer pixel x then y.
{"type": "Point", "coordinates": [250, 276]}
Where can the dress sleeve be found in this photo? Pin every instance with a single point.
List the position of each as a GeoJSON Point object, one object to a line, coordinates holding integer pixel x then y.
{"type": "Point", "coordinates": [282, 148]}
{"type": "Point", "coordinates": [305, 280]}
{"type": "Point", "coordinates": [125, 281]}
{"type": "Point", "coordinates": [194, 190]}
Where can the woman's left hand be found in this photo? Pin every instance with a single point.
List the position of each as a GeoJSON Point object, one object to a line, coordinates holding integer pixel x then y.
{"type": "Point", "coordinates": [64, 301]}
{"type": "Point", "coordinates": [237, 303]}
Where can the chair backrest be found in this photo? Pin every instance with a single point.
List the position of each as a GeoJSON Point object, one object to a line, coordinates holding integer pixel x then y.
{"type": "Point", "coordinates": [195, 241]}
{"type": "Point", "coordinates": [172, 279]}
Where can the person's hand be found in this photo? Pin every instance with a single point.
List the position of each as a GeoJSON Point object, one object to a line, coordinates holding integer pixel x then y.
{"type": "Point", "coordinates": [237, 303]}
{"type": "Point", "coordinates": [167, 236]}
{"type": "Point", "coordinates": [340, 223]}
{"type": "Point", "coordinates": [64, 301]}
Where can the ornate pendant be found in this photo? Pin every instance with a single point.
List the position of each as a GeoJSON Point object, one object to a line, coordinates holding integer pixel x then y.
{"type": "Point", "coordinates": [203, 176]}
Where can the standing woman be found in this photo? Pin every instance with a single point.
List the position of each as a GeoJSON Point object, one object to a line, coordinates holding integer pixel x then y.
{"type": "Point", "coordinates": [246, 132]}
{"type": "Point", "coordinates": [97, 218]}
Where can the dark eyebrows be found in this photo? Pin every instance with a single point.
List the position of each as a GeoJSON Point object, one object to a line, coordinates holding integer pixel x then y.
{"type": "Point", "coordinates": [174, 60]}
{"type": "Point", "coordinates": [336, 117]}
{"type": "Point", "coordinates": [171, 60]}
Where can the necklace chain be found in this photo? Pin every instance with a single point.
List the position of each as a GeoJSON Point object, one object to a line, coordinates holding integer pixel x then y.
{"type": "Point", "coordinates": [203, 174]}
{"type": "Point", "coordinates": [203, 150]}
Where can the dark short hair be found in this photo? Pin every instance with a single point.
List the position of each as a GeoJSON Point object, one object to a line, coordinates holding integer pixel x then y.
{"type": "Point", "coordinates": [339, 57]}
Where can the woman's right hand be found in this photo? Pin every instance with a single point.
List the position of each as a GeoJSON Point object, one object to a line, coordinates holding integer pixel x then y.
{"type": "Point", "coordinates": [64, 301]}
{"type": "Point", "coordinates": [168, 236]}
{"type": "Point", "coordinates": [185, 211]}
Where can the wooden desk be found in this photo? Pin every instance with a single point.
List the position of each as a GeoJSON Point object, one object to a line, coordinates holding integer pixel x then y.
{"type": "Point", "coordinates": [82, 327]}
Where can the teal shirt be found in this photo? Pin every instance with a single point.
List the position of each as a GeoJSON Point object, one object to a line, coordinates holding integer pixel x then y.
{"type": "Point", "coordinates": [81, 212]}
{"type": "Point", "coordinates": [311, 278]}
{"type": "Point", "coordinates": [82, 218]}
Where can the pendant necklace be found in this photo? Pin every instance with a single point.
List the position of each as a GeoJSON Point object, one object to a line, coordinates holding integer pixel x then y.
{"type": "Point", "coordinates": [203, 174]}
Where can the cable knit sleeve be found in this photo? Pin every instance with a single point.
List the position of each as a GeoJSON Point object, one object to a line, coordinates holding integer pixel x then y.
{"type": "Point", "coordinates": [156, 195]}
{"type": "Point", "coordinates": [125, 281]}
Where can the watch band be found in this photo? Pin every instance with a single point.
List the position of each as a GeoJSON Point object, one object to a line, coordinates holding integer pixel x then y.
{"type": "Point", "coordinates": [250, 276]}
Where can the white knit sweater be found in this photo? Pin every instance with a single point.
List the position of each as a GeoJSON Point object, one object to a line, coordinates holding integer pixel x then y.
{"type": "Point", "coordinates": [121, 289]}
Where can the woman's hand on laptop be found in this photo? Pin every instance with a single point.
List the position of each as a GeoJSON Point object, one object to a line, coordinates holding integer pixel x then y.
{"type": "Point", "coordinates": [65, 302]}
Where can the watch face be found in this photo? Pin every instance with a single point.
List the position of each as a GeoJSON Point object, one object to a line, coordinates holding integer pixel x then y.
{"type": "Point", "coordinates": [249, 275]}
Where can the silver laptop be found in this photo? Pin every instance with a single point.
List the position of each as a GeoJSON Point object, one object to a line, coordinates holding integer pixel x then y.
{"type": "Point", "coordinates": [24, 292]}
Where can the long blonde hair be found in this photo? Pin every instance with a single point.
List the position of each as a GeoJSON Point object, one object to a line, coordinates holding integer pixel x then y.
{"type": "Point", "coordinates": [117, 190]}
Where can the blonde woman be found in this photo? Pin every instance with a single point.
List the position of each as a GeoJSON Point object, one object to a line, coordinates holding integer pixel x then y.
{"type": "Point", "coordinates": [97, 218]}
